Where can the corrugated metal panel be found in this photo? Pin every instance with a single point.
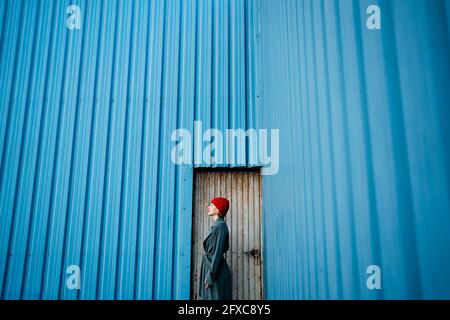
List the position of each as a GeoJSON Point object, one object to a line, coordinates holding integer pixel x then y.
{"type": "Point", "coordinates": [243, 188]}
{"type": "Point", "coordinates": [364, 163]}
{"type": "Point", "coordinates": [86, 118]}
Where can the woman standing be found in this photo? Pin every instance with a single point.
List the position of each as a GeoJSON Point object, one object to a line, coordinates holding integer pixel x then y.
{"type": "Point", "coordinates": [215, 274]}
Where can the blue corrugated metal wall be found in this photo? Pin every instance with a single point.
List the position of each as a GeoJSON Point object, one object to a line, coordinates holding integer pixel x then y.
{"type": "Point", "coordinates": [364, 163]}
{"type": "Point", "coordinates": [86, 117]}
{"type": "Point", "coordinates": [86, 121]}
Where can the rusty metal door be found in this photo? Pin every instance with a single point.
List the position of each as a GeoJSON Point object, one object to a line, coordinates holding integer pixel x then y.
{"type": "Point", "coordinates": [243, 189]}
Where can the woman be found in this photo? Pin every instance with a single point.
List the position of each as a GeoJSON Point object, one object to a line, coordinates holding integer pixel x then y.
{"type": "Point", "coordinates": [215, 274]}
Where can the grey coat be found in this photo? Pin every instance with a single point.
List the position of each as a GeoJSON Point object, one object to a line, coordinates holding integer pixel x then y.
{"type": "Point", "coordinates": [214, 268]}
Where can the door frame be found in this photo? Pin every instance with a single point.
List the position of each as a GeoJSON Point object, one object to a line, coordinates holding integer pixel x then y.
{"type": "Point", "coordinates": [256, 169]}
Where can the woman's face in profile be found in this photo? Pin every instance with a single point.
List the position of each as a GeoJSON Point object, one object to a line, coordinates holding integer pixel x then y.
{"type": "Point", "coordinates": [212, 210]}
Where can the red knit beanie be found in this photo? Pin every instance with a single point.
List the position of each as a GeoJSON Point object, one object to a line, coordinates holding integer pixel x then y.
{"type": "Point", "coordinates": [222, 205]}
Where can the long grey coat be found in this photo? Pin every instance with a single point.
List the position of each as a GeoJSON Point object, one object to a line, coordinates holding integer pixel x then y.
{"type": "Point", "coordinates": [214, 268]}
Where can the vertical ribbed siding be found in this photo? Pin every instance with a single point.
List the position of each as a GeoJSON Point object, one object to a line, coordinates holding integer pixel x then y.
{"type": "Point", "coordinates": [86, 119]}
{"type": "Point", "coordinates": [364, 166]}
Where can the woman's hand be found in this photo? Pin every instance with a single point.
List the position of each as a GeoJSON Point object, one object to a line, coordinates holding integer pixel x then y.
{"type": "Point", "coordinates": [207, 285]}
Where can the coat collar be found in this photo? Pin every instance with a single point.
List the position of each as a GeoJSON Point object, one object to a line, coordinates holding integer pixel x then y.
{"type": "Point", "coordinates": [219, 220]}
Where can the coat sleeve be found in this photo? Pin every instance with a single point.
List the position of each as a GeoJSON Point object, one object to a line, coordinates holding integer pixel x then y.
{"type": "Point", "coordinates": [219, 248]}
